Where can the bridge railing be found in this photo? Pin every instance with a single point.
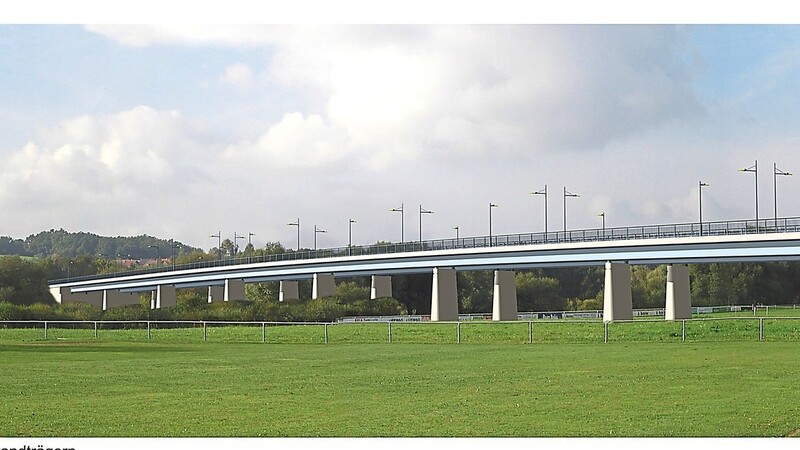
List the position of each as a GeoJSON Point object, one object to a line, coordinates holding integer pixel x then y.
{"type": "Point", "coordinates": [681, 230]}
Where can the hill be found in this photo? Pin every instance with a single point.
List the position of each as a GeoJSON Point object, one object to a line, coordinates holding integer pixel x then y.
{"type": "Point", "coordinates": [61, 243]}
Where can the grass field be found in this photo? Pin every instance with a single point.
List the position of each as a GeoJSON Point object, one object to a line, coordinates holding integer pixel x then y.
{"type": "Point", "coordinates": [421, 384]}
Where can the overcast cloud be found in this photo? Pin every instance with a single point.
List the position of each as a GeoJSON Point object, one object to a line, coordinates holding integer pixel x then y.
{"type": "Point", "coordinates": [242, 129]}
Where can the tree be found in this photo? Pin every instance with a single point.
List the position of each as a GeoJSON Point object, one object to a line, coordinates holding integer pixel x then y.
{"type": "Point", "coordinates": [538, 293]}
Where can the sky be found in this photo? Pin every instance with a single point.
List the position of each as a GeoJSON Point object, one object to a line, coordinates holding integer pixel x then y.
{"type": "Point", "coordinates": [181, 130]}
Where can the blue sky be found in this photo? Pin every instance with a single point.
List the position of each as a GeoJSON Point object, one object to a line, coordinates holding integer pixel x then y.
{"type": "Point", "coordinates": [180, 131]}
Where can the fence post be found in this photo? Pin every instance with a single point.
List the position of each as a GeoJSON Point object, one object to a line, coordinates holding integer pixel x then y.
{"type": "Point", "coordinates": [205, 333]}
{"type": "Point", "coordinates": [148, 330]}
{"type": "Point", "coordinates": [263, 332]}
{"type": "Point", "coordinates": [760, 328]}
{"type": "Point", "coordinates": [95, 329]}
{"type": "Point", "coordinates": [458, 332]}
{"type": "Point", "coordinates": [683, 330]}
{"type": "Point", "coordinates": [326, 333]}
{"type": "Point", "coordinates": [530, 332]}
{"type": "Point", "coordinates": [45, 330]}
{"type": "Point", "coordinates": [605, 332]}
{"type": "Point", "coordinates": [390, 331]}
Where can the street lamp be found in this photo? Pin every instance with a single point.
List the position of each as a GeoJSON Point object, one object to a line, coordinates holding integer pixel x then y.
{"type": "Point", "coordinates": [567, 194]}
{"type": "Point", "coordinates": [402, 220]}
{"type": "Point", "coordinates": [775, 173]}
{"type": "Point", "coordinates": [317, 230]}
{"type": "Point", "coordinates": [421, 212]}
{"type": "Point", "coordinates": [350, 223]}
{"type": "Point", "coordinates": [603, 216]}
{"type": "Point", "coordinates": [543, 192]}
{"type": "Point", "coordinates": [236, 237]}
{"type": "Point", "coordinates": [158, 256]}
{"type": "Point", "coordinates": [700, 198]}
{"type": "Point", "coordinates": [219, 244]}
{"type": "Point", "coordinates": [754, 170]}
{"type": "Point", "coordinates": [296, 224]}
{"type": "Point", "coordinates": [491, 205]}
{"type": "Point", "coordinates": [174, 246]}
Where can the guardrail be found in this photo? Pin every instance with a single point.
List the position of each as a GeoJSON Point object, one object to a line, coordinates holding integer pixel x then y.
{"type": "Point", "coordinates": [734, 227]}
{"type": "Point", "coordinates": [524, 331]}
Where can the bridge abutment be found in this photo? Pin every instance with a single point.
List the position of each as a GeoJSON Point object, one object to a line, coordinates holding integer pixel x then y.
{"type": "Point", "coordinates": [381, 286]}
{"type": "Point", "coordinates": [444, 295]}
{"type": "Point", "coordinates": [617, 301]}
{"type": "Point", "coordinates": [679, 301]}
{"type": "Point", "coordinates": [504, 304]}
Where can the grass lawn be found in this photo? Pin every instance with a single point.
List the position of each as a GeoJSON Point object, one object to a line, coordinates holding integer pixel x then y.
{"type": "Point", "coordinates": [86, 387]}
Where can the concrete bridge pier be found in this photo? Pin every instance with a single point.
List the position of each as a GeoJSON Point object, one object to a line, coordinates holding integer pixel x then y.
{"type": "Point", "coordinates": [233, 290]}
{"type": "Point", "coordinates": [165, 296]}
{"type": "Point", "coordinates": [617, 300]}
{"type": "Point", "coordinates": [679, 300]}
{"type": "Point", "coordinates": [504, 305]}
{"type": "Point", "coordinates": [381, 286]}
{"type": "Point", "coordinates": [216, 293]}
{"type": "Point", "coordinates": [324, 285]}
{"type": "Point", "coordinates": [113, 298]}
{"type": "Point", "coordinates": [65, 294]}
{"type": "Point", "coordinates": [444, 295]}
{"type": "Point", "coordinates": [289, 290]}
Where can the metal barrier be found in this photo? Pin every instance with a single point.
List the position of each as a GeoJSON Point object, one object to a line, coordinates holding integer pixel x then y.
{"type": "Point", "coordinates": [523, 331]}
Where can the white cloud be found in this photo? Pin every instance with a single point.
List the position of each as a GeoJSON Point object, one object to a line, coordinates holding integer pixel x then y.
{"type": "Point", "coordinates": [238, 75]}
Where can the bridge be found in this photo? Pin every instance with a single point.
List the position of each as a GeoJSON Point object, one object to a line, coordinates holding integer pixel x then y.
{"type": "Point", "coordinates": [615, 248]}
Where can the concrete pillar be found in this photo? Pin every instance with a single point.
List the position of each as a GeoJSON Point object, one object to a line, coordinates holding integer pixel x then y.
{"type": "Point", "coordinates": [381, 286]}
{"type": "Point", "coordinates": [113, 298]}
{"type": "Point", "coordinates": [324, 285]}
{"type": "Point", "coordinates": [679, 300]}
{"type": "Point", "coordinates": [234, 290]}
{"type": "Point", "coordinates": [504, 305]}
{"type": "Point", "coordinates": [152, 299]}
{"type": "Point", "coordinates": [444, 295]}
{"type": "Point", "coordinates": [617, 301]}
{"type": "Point", "coordinates": [215, 293]}
{"type": "Point", "coordinates": [60, 293]}
{"type": "Point", "coordinates": [166, 296]}
{"type": "Point", "coordinates": [289, 290]}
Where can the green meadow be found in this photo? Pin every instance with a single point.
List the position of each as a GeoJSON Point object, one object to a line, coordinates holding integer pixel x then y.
{"type": "Point", "coordinates": [285, 381]}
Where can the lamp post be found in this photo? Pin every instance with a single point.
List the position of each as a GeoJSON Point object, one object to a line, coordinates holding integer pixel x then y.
{"type": "Point", "coordinates": [543, 192]}
{"type": "Point", "coordinates": [316, 231]}
{"type": "Point", "coordinates": [603, 216]}
{"type": "Point", "coordinates": [236, 237]}
{"type": "Point", "coordinates": [296, 224]}
{"type": "Point", "coordinates": [700, 200]}
{"type": "Point", "coordinates": [775, 173]}
{"type": "Point", "coordinates": [350, 223]}
{"type": "Point", "coordinates": [219, 244]}
{"type": "Point", "coordinates": [402, 220]}
{"type": "Point", "coordinates": [174, 247]}
{"type": "Point", "coordinates": [158, 256]}
{"type": "Point", "coordinates": [491, 205]}
{"type": "Point", "coordinates": [421, 212]}
{"type": "Point", "coordinates": [456, 228]}
{"type": "Point", "coordinates": [754, 170]}
{"type": "Point", "coordinates": [567, 194]}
